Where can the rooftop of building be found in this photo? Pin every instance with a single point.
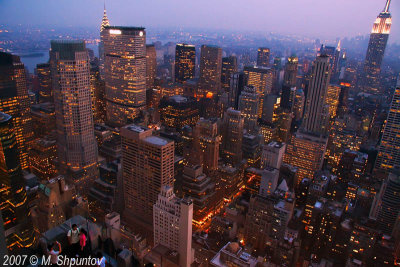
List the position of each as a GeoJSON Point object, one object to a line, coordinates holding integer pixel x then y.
{"type": "Point", "coordinates": [101, 128]}
{"type": "Point", "coordinates": [236, 255]}
{"type": "Point", "coordinates": [125, 28]}
{"type": "Point", "coordinates": [184, 44]}
{"type": "Point", "coordinates": [136, 128]}
{"type": "Point", "coordinates": [155, 140]}
{"type": "Point", "coordinates": [4, 117]}
{"type": "Point", "coordinates": [46, 108]}
{"type": "Point", "coordinates": [275, 144]}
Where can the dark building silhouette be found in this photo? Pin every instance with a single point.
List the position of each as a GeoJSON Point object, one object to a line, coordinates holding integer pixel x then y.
{"type": "Point", "coordinates": [376, 50]}
{"type": "Point", "coordinates": [13, 197]}
{"type": "Point", "coordinates": [185, 62]}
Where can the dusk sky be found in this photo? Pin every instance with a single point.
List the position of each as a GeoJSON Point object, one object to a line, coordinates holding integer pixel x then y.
{"type": "Point", "coordinates": [314, 18]}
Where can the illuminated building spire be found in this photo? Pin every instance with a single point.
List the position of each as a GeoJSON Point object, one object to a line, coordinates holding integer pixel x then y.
{"type": "Point", "coordinates": [105, 22]}
{"type": "Point", "coordinates": [338, 46]}
{"type": "Point", "coordinates": [386, 10]}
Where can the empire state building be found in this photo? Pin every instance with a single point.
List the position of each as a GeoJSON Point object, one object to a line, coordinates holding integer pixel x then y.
{"type": "Point", "coordinates": [376, 50]}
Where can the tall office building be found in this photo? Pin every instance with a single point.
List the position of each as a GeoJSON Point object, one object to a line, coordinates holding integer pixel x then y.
{"type": "Point", "coordinates": [229, 67]}
{"type": "Point", "coordinates": [389, 152]}
{"type": "Point", "coordinates": [104, 23]}
{"type": "Point", "coordinates": [44, 79]}
{"type": "Point", "coordinates": [151, 66]}
{"type": "Point", "coordinates": [232, 133]}
{"type": "Point", "coordinates": [298, 105]}
{"type": "Point", "coordinates": [76, 143]}
{"type": "Point", "coordinates": [343, 104]}
{"type": "Point", "coordinates": [290, 76]}
{"type": "Point", "coordinates": [125, 72]}
{"type": "Point", "coordinates": [262, 79]}
{"type": "Point", "coordinates": [376, 51]}
{"type": "Point", "coordinates": [334, 55]}
{"type": "Point", "coordinates": [248, 105]}
{"type": "Point", "coordinates": [97, 88]}
{"type": "Point", "coordinates": [210, 70]}
{"type": "Point", "coordinates": [13, 199]}
{"type": "Point", "coordinates": [272, 155]}
{"type": "Point", "coordinates": [289, 82]}
{"type": "Point", "coordinates": [271, 105]}
{"type": "Point", "coordinates": [237, 83]}
{"type": "Point", "coordinates": [172, 224]}
{"type": "Point", "coordinates": [332, 99]}
{"type": "Point", "coordinates": [386, 206]}
{"type": "Point", "coordinates": [201, 189]}
{"type": "Point", "coordinates": [206, 135]}
{"type": "Point", "coordinates": [178, 111]}
{"type": "Point", "coordinates": [263, 55]}
{"type": "Point", "coordinates": [306, 152]}
{"type": "Point", "coordinates": [185, 62]}
{"type": "Point", "coordinates": [147, 165]}
{"type": "Point", "coordinates": [14, 101]}
{"type": "Point", "coordinates": [316, 116]}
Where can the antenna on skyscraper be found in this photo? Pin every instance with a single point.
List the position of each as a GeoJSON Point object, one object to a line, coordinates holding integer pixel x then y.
{"type": "Point", "coordinates": [387, 6]}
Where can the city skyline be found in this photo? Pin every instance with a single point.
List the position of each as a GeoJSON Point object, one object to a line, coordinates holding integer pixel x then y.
{"type": "Point", "coordinates": [200, 148]}
{"type": "Point", "coordinates": [305, 18]}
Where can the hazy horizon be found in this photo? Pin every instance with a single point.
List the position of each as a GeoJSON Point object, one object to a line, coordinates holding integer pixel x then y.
{"type": "Point", "coordinates": [312, 18]}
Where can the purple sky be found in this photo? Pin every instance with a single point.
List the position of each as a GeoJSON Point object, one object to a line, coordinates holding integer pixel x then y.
{"type": "Point", "coordinates": [314, 18]}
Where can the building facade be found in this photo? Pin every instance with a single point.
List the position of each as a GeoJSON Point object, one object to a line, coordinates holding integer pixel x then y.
{"type": "Point", "coordinates": [13, 198]}
{"type": "Point", "coordinates": [316, 116]}
{"type": "Point", "coordinates": [125, 72]}
{"type": "Point", "coordinates": [14, 101]}
{"type": "Point", "coordinates": [185, 62]}
{"type": "Point", "coordinates": [172, 221]}
{"type": "Point", "coordinates": [376, 51]}
{"type": "Point", "coordinates": [147, 165]}
{"type": "Point", "coordinates": [210, 70]}
{"type": "Point", "coordinates": [76, 143]}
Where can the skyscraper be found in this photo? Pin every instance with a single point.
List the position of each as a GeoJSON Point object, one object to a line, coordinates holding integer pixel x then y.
{"type": "Point", "coordinates": [147, 166]}
{"type": "Point", "coordinates": [334, 55]}
{"type": "Point", "coordinates": [232, 130]}
{"type": "Point", "coordinates": [306, 152]}
{"type": "Point", "coordinates": [290, 76]}
{"type": "Point", "coordinates": [178, 111]}
{"type": "Point", "coordinates": [201, 189]}
{"type": "Point", "coordinates": [237, 83]}
{"type": "Point", "coordinates": [125, 72]}
{"type": "Point", "coordinates": [386, 206]}
{"type": "Point", "coordinates": [13, 198]}
{"type": "Point", "coordinates": [151, 66]}
{"type": "Point", "coordinates": [262, 79]}
{"type": "Point", "coordinates": [97, 88]}
{"type": "Point", "coordinates": [172, 224]}
{"type": "Point", "coordinates": [210, 70]}
{"type": "Point", "coordinates": [316, 114]}
{"type": "Point", "coordinates": [206, 134]}
{"type": "Point", "coordinates": [263, 55]}
{"type": "Point", "coordinates": [289, 82]}
{"type": "Point", "coordinates": [14, 101]}
{"type": "Point", "coordinates": [376, 50]}
{"type": "Point", "coordinates": [248, 105]}
{"type": "Point", "coordinates": [104, 23]}
{"type": "Point", "coordinates": [389, 153]}
{"type": "Point", "coordinates": [272, 155]}
{"type": "Point", "coordinates": [229, 67]}
{"type": "Point", "coordinates": [76, 143]}
{"type": "Point", "coordinates": [185, 62]}
{"type": "Point", "coordinates": [332, 99]}
{"type": "Point", "coordinates": [44, 79]}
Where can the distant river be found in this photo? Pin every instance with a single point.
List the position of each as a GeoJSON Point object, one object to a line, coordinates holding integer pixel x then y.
{"type": "Point", "coordinates": [32, 58]}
